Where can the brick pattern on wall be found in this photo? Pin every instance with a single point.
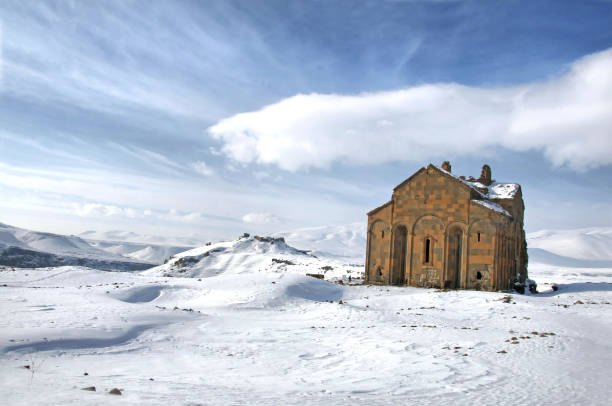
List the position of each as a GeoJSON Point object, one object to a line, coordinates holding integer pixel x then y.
{"type": "Point", "coordinates": [433, 205]}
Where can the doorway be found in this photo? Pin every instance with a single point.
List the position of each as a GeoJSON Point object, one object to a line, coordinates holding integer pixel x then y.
{"type": "Point", "coordinates": [453, 280]}
{"type": "Point", "coordinates": [399, 255]}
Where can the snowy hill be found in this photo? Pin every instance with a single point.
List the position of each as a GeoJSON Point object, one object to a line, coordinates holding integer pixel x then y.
{"type": "Point", "coordinates": [253, 254]}
{"type": "Point", "coordinates": [26, 248]}
{"type": "Point", "coordinates": [145, 248]}
{"type": "Point", "coordinates": [150, 253]}
{"type": "Point", "coordinates": [345, 241]}
{"type": "Point", "coordinates": [48, 242]}
{"type": "Point", "coordinates": [590, 244]}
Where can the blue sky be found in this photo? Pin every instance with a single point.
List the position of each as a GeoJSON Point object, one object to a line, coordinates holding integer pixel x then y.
{"type": "Point", "coordinates": [211, 118]}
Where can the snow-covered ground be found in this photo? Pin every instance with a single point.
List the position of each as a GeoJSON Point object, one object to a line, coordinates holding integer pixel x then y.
{"type": "Point", "coordinates": [236, 327]}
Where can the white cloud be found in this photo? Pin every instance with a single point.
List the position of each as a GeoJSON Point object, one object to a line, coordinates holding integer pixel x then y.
{"type": "Point", "coordinates": [109, 210]}
{"type": "Point", "coordinates": [104, 210]}
{"type": "Point", "coordinates": [569, 118]}
{"type": "Point", "coordinates": [201, 168]}
{"type": "Point", "coordinates": [260, 218]}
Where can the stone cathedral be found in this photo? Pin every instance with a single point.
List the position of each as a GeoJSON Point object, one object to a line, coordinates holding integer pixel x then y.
{"type": "Point", "coordinates": [445, 231]}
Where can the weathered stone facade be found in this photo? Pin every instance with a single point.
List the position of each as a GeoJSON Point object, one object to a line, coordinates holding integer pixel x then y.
{"type": "Point", "coordinates": [440, 230]}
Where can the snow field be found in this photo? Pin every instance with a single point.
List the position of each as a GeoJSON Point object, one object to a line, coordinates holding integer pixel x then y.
{"type": "Point", "coordinates": [276, 336]}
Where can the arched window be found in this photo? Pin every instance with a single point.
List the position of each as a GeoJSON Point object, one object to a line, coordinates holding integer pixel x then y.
{"type": "Point", "coordinates": [428, 249]}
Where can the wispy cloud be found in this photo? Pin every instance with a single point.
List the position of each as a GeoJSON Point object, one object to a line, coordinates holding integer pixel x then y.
{"type": "Point", "coordinates": [105, 210]}
{"type": "Point", "coordinates": [261, 218]}
{"type": "Point", "coordinates": [45, 149]}
{"type": "Point", "coordinates": [104, 104]}
{"type": "Point", "coordinates": [192, 201]}
{"type": "Point", "coordinates": [568, 118]}
{"type": "Point", "coordinates": [153, 159]}
{"type": "Point", "coordinates": [185, 62]}
{"type": "Point", "coordinates": [109, 210]}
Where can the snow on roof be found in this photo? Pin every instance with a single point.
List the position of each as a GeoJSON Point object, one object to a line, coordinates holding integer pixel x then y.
{"type": "Point", "coordinates": [493, 206]}
{"type": "Point", "coordinates": [503, 190]}
{"type": "Point", "coordinates": [496, 190]}
{"type": "Point", "coordinates": [473, 185]}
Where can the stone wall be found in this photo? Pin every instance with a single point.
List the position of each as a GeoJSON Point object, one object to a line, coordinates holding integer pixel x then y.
{"type": "Point", "coordinates": [379, 246]}
{"type": "Point", "coordinates": [470, 246]}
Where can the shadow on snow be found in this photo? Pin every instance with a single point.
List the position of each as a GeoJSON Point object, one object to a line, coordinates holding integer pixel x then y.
{"type": "Point", "coordinates": [80, 343]}
{"type": "Point", "coordinates": [579, 287]}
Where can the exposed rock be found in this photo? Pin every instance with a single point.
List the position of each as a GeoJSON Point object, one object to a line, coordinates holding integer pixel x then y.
{"type": "Point", "coordinates": [282, 261]}
{"type": "Point", "coordinates": [316, 275]}
{"type": "Point", "coordinates": [271, 240]}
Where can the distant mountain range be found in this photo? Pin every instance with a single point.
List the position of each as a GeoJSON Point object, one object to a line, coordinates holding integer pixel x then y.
{"type": "Point", "coordinates": [26, 248]}
{"type": "Point", "coordinates": [129, 236]}
{"type": "Point", "coordinates": [588, 247]}
{"type": "Point", "coordinates": [585, 247]}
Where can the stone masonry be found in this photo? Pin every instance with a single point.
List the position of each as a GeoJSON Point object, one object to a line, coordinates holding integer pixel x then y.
{"type": "Point", "coordinates": [443, 231]}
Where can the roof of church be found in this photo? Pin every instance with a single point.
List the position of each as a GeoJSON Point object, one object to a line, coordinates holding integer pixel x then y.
{"type": "Point", "coordinates": [494, 191]}
{"type": "Point", "coordinates": [379, 207]}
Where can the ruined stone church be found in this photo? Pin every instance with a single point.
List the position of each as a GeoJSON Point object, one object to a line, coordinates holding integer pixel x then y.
{"type": "Point", "coordinates": [445, 231]}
